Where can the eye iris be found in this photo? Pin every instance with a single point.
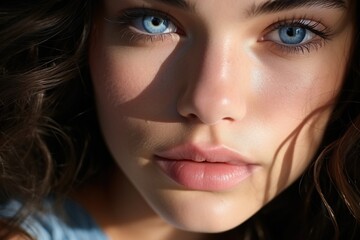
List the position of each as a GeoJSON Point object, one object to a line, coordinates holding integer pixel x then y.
{"type": "Point", "coordinates": [292, 35]}
{"type": "Point", "coordinates": [154, 24]}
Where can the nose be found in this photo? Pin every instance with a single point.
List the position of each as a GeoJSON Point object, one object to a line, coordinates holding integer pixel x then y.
{"type": "Point", "coordinates": [214, 90]}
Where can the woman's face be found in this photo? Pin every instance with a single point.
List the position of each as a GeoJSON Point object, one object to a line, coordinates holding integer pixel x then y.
{"type": "Point", "coordinates": [212, 108]}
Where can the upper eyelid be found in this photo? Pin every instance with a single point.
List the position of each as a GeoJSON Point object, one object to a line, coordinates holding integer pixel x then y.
{"type": "Point", "coordinates": [144, 11]}
{"type": "Point", "coordinates": [300, 22]}
{"type": "Point", "coordinates": [325, 32]}
{"type": "Point", "coordinates": [137, 12]}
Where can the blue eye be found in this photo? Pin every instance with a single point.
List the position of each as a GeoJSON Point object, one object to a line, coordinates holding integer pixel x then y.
{"type": "Point", "coordinates": [154, 25]}
{"type": "Point", "coordinates": [292, 35]}
{"type": "Point", "coordinates": [288, 34]}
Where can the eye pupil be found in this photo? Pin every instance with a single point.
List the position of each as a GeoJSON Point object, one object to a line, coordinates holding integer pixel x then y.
{"type": "Point", "coordinates": [292, 35]}
{"type": "Point", "coordinates": [156, 21]}
{"type": "Point", "coordinates": [291, 32]}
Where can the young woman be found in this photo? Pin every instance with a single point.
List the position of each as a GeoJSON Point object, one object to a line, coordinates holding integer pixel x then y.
{"type": "Point", "coordinates": [179, 119]}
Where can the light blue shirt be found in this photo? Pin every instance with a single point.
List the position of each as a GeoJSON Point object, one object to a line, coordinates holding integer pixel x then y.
{"type": "Point", "coordinates": [73, 224]}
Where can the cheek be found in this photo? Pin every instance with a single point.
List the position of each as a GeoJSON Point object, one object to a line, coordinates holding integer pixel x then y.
{"type": "Point", "coordinates": [284, 93]}
{"type": "Point", "coordinates": [119, 77]}
{"type": "Point", "coordinates": [127, 87]}
{"type": "Point", "coordinates": [122, 73]}
{"type": "Point", "coordinates": [294, 90]}
{"type": "Point", "coordinates": [132, 81]}
{"type": "Point", "coordinates": [290, 107]}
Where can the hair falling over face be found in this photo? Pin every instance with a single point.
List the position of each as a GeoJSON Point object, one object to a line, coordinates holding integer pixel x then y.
{"type": "Point", "coordinates": [48, 148]}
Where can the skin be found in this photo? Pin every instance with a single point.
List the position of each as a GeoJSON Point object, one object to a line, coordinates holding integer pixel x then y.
{"type": "Point", "coordinates": [225, 82]}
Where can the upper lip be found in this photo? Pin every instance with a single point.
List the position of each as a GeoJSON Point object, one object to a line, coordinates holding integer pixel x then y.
{"type": "Point", "coordinates": [203, 153]}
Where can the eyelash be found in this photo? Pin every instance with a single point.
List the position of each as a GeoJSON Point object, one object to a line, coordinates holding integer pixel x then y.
{"type": "Point", "coordinates": [322, 35]}
{"type": "Point", "coordinates": [128, 16]}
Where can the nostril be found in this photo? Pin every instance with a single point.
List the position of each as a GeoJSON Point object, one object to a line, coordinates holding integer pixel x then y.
{"type": "Point", "coordinates": [192, 117]}
{"type": "Point", "coordinates": [230, 119]}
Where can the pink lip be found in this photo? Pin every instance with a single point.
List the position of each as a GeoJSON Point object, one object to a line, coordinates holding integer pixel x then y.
{"type": "Point", "coordinates": [207, 168]}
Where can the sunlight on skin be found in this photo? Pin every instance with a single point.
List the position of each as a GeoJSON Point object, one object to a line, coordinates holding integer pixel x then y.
{"type": "Point", "coordinates": [224, 83]}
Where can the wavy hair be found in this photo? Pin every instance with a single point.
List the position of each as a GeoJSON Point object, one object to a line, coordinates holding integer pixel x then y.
{"type": "Point", "coordinates": [45, 101]}
{"type": "Point", "coordinates": [48, 127]}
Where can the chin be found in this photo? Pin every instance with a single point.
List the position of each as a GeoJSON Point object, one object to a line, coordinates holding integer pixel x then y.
{"type": "Point", "coordinates": [204, 212]}
{"type": "Point", "coordinates": [208, 226]}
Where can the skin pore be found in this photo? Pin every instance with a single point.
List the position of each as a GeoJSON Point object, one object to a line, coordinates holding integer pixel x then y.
{"type": "Point", "coordinates": [219, 74]}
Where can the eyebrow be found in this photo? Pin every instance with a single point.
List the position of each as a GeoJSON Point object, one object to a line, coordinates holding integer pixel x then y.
{"type": "Point", "coordinates": [183, 4]}
{"type": "Point", "coordinates": [269, 6]}
{"type": "Point", "coordinates": [272, 6]}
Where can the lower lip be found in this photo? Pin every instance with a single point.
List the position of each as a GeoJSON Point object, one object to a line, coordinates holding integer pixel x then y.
{"type": "Point", "coordinates": [205, 176]}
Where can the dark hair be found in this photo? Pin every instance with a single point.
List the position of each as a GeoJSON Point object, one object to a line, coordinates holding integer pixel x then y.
{"type": "Point", "coordinates": [48, 127]}
{"type": "Point", "coordinates": [45, 102]}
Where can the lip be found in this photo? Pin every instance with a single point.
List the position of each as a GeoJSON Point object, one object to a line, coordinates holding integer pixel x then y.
{"type": "Point", "coordinates": [205, 167]}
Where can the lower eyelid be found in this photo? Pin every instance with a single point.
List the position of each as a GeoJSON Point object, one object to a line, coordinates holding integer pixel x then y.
{"type": "Point", "coordinates": [133, 37]}
{"type": "Point", "coordinates": [289, 50]}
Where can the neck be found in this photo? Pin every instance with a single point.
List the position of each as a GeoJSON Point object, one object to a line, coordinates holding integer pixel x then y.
{"type": "Point", "coordinates": [122, 213]}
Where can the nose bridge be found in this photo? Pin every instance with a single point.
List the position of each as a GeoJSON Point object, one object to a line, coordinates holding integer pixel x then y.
{"type": "Point", "coordinates": [215, 66]}
{"type": "Point", "coordinates": [213, 88]}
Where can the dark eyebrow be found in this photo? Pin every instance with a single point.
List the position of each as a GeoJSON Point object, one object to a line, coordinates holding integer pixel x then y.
{"type": "Point", "coordinates": [183, 4]}
{"type": "Point", "coordinates": [272, 6]}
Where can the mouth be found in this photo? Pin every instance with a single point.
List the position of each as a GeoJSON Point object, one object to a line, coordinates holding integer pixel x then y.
{"type": "Point", "coordinates": [204, 167]}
